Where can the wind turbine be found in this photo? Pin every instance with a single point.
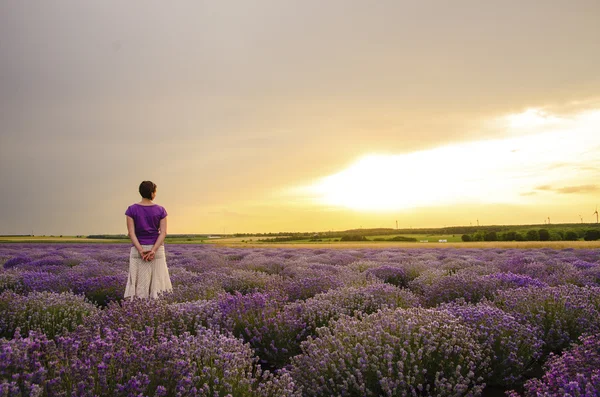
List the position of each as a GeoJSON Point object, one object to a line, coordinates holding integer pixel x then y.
{"type": "Point", "coordinates": [548, 220]}
{"type": "Point", "coordinates": [580, 217]}
{"type": "Point", "coordinates": [596, 213]}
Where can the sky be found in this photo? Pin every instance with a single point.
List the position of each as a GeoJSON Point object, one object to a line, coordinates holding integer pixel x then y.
{"type": "Point", "coordinates": [270, 115]}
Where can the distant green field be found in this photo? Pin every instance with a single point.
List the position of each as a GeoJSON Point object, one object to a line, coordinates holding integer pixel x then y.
{"type": "Point", "coordinates": [187, 240]}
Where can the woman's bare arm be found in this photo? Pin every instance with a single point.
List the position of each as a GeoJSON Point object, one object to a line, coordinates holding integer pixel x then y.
{"type": "Point", "coordinates": [133, 237]}
{"type": "Point", "coordinates": [161, 236]}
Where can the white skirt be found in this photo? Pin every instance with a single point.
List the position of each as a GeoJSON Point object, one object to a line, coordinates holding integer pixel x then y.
{"type": "Point", "coordinates": [147, 279]}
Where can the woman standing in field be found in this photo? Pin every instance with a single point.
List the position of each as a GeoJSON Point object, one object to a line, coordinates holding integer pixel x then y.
{"type": "Point", "coordinates": [147, 228]}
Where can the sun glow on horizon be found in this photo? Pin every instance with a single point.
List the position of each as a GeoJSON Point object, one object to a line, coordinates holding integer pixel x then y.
{"type": "Point", "coordinates": [531, 118]}
{"type": "Point", "coordinates": [507, 171]}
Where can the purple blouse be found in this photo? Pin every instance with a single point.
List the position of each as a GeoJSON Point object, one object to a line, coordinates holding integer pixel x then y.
{"type": "Point", "coordinates": [146, 219]}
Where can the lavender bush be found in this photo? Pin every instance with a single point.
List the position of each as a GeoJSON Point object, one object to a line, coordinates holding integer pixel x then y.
{"type": "Point", "coordinates": [260, 320]}
{"type": "Point", "coordinates": [394, 275]}
{"type": "Point", "coordinates": [562, 313]}
{"type": "Point", "coordinates": [37, 280]}
{"type": "Point", "coordinates": [510, 280]}
{"type": "Point", "coordinates": [29, 366]}
{"type": "Point", "coordinates": [247, 281]}
{"type": "Point", "coordinates": [575, 373]}
{"type": "Point", "coordinates": [466, 286]}
{"type": "Point", "coordinates": [16, 261]}
{"type": "Point", "coordinates": [512, 347]}
{"type": "Point", "coordinates": [284, 328]}
{"type": "Point", "coordinates": [392, 352]}
{"type": "Point", "coordinates": [47, 312]}
{"type": "Point", "coordinates": [321, 309]}
{"type": "Point", "coordinates": [190, 286]}
{"type": "Point", "coordinates": [103, 289]}
{"type": "Point", "coordinates": [124, 363]}
{"type": "Point", "coordinates": [11, 280]}
{"type": "Point", "coordinates": [141, 315]}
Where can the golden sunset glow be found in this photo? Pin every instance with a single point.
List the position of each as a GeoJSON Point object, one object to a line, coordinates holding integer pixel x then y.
{"type": "Point", "coordinates": [507, 171]}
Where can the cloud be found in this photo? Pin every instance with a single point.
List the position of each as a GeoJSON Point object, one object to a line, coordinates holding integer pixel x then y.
{"type": "Point", "coordinates": [589, 168]}
{"type": "Point", "coordinates": [578, 189]}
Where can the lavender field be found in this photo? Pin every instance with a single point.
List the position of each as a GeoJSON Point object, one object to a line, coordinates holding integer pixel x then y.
{"type": "Point", "coordinates": [301, 322]}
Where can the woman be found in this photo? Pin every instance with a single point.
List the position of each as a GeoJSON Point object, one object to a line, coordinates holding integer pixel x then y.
{"type": "Point", "coordinates": [147, 228]}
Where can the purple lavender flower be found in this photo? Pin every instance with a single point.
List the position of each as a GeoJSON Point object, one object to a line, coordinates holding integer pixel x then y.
{"type": "Point", "coordinates": [575, 373]}
{"type": "Point", "coordinates": [511, 346]}
{"type": "Point", "coordinates": [16, 261]}
{"type": "Point", "coordinates": [46, 312]}
{"type": "Point", "coordinates": [390, 274]}
{"type": "Point", "coordinates": [512, 280]}
{"type": "Point", "coordinates": [392, 352]}
{"type": "Point", "coordinates": [101, 290]}
{"type": "Point", "coordinates": [562, 313]}
{"type": "Point", "coordinates": [468, 287]}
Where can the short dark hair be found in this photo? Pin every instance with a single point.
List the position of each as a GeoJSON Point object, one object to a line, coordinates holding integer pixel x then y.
{"type": "Point", "coordinates": [146, 189]}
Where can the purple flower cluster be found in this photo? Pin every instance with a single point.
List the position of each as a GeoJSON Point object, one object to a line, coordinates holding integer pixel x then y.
{"type": "Point", "coordinates": [260, 319]}
{"type": "Point", "coordinates": [247, 281]}
{"type": "Point", "coordinates": [320, 310]}
{"type": "Point", "coordinates": [549, 269]}
{"type": "Point", "coordinates": [122, 362]}
{"type": "Point", "coordinates": [101, 282]}
{"type": "Point", "coordinates": [562, 313]}
{"type": "Point", "coordinates": [47, 312]}
{"type": "Point", "coordinates": [395, 275]}
{"type": "Point", "coordinates": [463, 285]}
{"type": "Point", "coordinates": [11, 280]}
{"type": "Point", "coordinates": [16, 261]}
{"type": "Point", "coordinates": [511, 280]}
{"type": "Point", "coordinates": [392, 352]}
{"type": "Point", "coordinates": [575, 373]}
{"type": "Point", "coordinates": [142, 315]}
{"type": "Point", "coordinates": [304, 281]}
{"type": "Point", "coordinates": [512, 347]}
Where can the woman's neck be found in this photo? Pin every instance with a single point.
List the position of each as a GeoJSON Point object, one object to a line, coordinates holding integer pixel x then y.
{"type": "Point", "coordinates": [145, 201]}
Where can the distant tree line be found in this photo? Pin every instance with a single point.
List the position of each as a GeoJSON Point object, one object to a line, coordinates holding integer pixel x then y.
{"type": "Point", "coordinates": [353, 237]}
{"type": "Point", "coordinates": [534, 235]}
{"type": "Point", "coordinates": [397, 238]}
{"type": "Point", "coordinates": [281, 239]}
{"type": "Point", "coordinates": [108, 236]}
